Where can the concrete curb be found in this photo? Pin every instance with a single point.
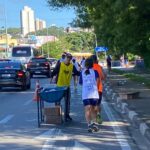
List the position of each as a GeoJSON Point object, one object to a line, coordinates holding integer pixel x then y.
{"type": "Point", "coordinates": [123, 108]}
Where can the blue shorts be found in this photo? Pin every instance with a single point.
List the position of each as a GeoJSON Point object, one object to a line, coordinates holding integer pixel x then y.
{"type": "Point", "coordinates": [92, 102]}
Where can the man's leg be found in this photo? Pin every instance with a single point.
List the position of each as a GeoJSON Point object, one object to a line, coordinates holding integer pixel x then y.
{"type": "Point", "coordinates": [98, 109]}
{"type": "Point", "coordinates": [67, 105]}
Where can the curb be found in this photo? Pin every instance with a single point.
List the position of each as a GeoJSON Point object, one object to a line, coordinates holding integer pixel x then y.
{"type": "Point", "coordinates": [123, 108]}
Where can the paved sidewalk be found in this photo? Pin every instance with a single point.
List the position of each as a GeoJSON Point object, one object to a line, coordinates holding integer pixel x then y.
{"type": "Point", "coordinates": [137, 109]}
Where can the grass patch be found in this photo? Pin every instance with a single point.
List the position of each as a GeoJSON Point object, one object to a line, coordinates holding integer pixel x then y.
{"type": "Point", "coordinates": [133, 77]}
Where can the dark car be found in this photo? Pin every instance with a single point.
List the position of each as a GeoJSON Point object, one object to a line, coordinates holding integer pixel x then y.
{"type": "Point", "coordinates": [5, 59]}
{"type": "Point", "coordinates": [39, 66]}
{"type": "Point", "coordinates": [14, 74]}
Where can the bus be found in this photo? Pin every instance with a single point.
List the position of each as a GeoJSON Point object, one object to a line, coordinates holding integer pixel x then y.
{"type": "Point", "coordinates": [24, 53]}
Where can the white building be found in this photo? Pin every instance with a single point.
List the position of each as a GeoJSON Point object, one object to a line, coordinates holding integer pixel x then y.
{"type": "Point", "coordinates": [40, 24]}
{"type": "Point", "coordinates": [27, 20]}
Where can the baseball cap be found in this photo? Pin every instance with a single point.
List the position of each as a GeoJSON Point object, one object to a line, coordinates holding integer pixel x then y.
{"type": "Point", "coordinates": [68, 55]}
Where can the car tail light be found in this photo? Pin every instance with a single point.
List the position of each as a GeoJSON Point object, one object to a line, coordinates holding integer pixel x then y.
{"type": "Point", "coordinates": [20, 74]}
{"type": "Point", "coordinates": [46, 64]}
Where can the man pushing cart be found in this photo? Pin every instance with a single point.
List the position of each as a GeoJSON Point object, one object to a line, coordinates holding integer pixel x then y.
{"type": "Point", "coordinates": [63, 73]}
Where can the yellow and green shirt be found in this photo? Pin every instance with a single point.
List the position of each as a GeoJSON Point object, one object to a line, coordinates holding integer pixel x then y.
{"type": "Point", "coordinates": [65, 74]}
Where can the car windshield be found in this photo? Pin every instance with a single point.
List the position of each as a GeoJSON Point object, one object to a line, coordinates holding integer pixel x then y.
{"type": "Point", "coordinates": [21, 52]}
{"type": "Point", "coordinates": [39, 60]}
{"type": "Point", "coordinates": [52, 59]}
{"type": "Point", "coordinates": [7, 65]}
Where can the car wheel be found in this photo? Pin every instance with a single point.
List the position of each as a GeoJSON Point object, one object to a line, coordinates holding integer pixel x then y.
{"type": "Point", "coordinates": [49, 74]}
{"type": "Point", "coordinates": [29, 85]}
{"type": "Point", "coordinates": [31, 75]}
{"type": "Point", "coordinates": [24, 87]}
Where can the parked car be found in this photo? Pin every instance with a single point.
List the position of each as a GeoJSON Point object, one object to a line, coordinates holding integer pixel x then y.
{"type": "Point", "coordinates": [53, 62]}
{"type": "Point", "coordinates": [14, 74]}
{"type": "Point", "coordinates": [39, 66]}
{"type": "Point", "coordinates": [5, 59]}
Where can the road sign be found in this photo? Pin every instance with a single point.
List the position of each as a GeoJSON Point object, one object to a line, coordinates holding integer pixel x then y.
{"type": "Point", "coordinates": [101, 49]}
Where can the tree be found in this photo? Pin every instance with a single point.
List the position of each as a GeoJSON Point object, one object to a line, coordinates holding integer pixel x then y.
{"type": "Point", "coordinates": [123, 26]}
{"type": "Point", "coordinates": [71, 42]}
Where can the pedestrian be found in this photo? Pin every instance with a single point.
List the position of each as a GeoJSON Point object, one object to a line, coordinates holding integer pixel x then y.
{"type": "Point", "coordinates": [102, 77]}
{"type": "Point", "coordinates": [108, 60]}
{"type": "Point", "coordinates": [126, 61]}
{"type": "Point", "coordinates": [76, 72]}
{"type": "Point", "coordinates": [122, 61]}
{"type": "Point", "coordinates": [89, 80]}
{"type": "Point", "coordinates": [63, 71]}
{"type": "Point", "coordinates": [82, 63]}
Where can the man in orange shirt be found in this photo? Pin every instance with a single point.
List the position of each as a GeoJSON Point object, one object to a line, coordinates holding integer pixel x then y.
{"type": "Point", "coordinates": [100, 71]}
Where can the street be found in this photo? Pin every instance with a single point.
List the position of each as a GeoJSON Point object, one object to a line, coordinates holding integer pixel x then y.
{"type": "Point", "coordinates": [19, 129]}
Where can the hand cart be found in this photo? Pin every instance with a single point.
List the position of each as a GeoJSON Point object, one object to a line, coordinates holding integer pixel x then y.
{"type": "Point", "coordinates": [49, 95]}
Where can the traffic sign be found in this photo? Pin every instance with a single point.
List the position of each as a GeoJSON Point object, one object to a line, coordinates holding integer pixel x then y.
{"type": "Point", "coordinates": [101, 49]}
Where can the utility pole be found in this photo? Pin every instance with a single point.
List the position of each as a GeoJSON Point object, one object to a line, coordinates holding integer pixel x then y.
{"type": "Point", "coordinates": [96, 44]}
{"type": "Point", "coordinates": [6, 51]}
{"type": "Point", "coordinates": [47, 43]}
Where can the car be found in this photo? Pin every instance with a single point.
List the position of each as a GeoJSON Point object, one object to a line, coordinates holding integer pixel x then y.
{"type": "Point", "coordinates": [53, 62]}
{"type": "Point", "coordinates": [5, 59]}
{"type": "Point", "coordinates": [14, 74]}
{"type": "Point", "coordinates": [39, 66]}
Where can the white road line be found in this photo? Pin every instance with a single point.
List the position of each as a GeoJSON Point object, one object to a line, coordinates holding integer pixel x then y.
{"type": "Point", "coordinates": [27, 102]}
{"type": "Point", "coordinates": [120, 136]}
{"type": "Point", "coordinates": [52, 135]}
{"type": "Point", "coordinates": [79, 146]}
{"type": "Point", "coordinates": [143, 128]}
{"type": "Point", "coordinates": [132, 114]}
{"type": "Point", "coordinates": [6, 119]}
{"type": "Point", "coordinates": [46, 135]}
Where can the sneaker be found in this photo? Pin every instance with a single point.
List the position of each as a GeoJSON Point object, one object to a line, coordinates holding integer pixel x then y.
{"type": "Point", "coordinates": [90, 129]}
{"type": "Point", "coordinates": [99, 119]}
{"type": "Point", "coordinates": [95, 127]}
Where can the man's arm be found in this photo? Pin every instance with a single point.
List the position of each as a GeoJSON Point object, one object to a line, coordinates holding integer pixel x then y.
{"type": "Point", "coordinates": [56, 69]}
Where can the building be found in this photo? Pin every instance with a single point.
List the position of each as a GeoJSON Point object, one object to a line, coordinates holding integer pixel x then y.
{"type": "Point", "coordinates": [27, 20]}
{"type": "Point", "coordinates": [6, 43]}
{"type": "Point", "coordinates": [40, 24]}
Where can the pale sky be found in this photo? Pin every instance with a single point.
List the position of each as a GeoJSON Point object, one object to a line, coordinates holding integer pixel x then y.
{"type": "Point", "coordinates": [60, 18]}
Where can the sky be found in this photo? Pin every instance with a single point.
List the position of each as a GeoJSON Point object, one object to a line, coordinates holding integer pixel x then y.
{"type": "Point", "coordinates": [60, 18]}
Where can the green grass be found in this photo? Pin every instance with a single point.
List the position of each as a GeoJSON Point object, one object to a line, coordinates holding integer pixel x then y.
{"type": "Point", "coordinates": [133, 77]}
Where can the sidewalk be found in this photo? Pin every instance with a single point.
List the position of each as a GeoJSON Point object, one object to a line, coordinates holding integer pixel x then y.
{"type": "Point", "coordinates": [138, 108]}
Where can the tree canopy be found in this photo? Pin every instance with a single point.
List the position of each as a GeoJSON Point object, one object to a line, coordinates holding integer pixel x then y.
{"type": "Point", "coordinates": [122, 26]}
{"type": "Point", "coordinates": [70, 42]}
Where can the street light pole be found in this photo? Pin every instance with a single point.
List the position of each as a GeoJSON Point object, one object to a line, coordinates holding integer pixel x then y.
{"type": "Point", "coordinates": [96, 44]}
{"type": "Point", "coordinates": [6, 52]}
{"type": "Point", "coordinates": [47, 43]}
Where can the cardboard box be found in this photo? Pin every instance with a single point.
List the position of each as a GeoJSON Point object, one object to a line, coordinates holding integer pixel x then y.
{"type": "Point", "coordinates": [53, 119]}
{"type": "Point", "coordinates": [52, 111]}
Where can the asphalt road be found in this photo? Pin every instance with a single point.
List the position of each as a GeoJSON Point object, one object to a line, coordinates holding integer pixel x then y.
{"type": "Point", "coordinates": [19, 129]}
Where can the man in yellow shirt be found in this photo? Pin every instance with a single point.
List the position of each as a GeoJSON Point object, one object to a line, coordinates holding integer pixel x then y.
{"type": "Point", "coordinates": [63, 73]}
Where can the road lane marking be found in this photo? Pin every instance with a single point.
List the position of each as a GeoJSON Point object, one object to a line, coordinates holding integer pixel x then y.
{"type": "Point", "coordinates": [120, 136]}
{"type": "Point", "coordinates": [132, 114]}
{"type": "Point", "coordinates": [6, 119]}
{"type": "Point", "coordinates": [27, 102]}
{"type": "Point", "coordinates": [79, 146]}
{"type": "Point", "coordinates": [143, 128]}
{"type": "Point", "coordinates": [53, 135]}
{"type": "Point", "coordinates": [46, 135]}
